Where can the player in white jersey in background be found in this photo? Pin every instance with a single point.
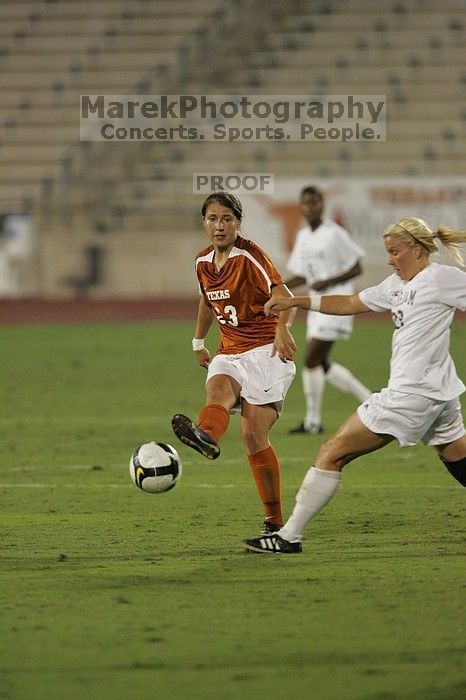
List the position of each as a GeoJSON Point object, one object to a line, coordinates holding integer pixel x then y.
{"type": "Point", "coordinates": [325, 259]}
{"type": "Point", "coordinates": [421, 401]}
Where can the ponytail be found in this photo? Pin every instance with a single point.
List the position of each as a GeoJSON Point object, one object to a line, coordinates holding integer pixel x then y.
{"type": "Point", "coordinates": [452, 240]}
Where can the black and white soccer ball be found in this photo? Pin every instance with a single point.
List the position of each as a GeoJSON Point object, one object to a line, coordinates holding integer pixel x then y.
{"type": "Point", "coordinates": [155, 467]}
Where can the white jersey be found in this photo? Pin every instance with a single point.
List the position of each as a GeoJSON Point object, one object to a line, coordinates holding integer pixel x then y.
{"type": "Point", "coordinates": [422, 311]}
{"type": "Point", "coordinates": [326, 252]}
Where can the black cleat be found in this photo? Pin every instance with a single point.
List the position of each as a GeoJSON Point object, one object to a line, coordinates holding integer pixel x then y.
{"type": "Point", "coordinates": [272, 544]}
{"type": "Point", "coordinates": [187, 432]}
{"type": "Point", "coordinates": [314, 429]}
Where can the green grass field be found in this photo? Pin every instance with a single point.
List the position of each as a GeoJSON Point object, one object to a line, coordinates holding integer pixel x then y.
{"type": "Point", "coordinates": [110, 593]}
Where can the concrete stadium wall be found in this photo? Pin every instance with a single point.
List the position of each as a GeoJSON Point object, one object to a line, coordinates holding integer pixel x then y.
{"type": "Point", "coordinates": [136, 265]}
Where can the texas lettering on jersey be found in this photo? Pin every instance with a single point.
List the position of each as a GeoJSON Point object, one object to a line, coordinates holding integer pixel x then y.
{"type": "Point", "coordinates": [219, 294]}
{"type": "Point", "coordinates": [237, 294]}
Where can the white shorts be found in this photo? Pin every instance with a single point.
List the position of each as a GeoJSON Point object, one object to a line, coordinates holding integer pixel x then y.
{"type": "Point", "coordinates": [412, 417]}
{"type": "Point", "coordinates": [263, 379]}
{"type": "Point", "coordinates": [328, 327]}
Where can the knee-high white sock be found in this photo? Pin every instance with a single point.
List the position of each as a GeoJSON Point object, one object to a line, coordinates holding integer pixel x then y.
{"type": "Point", "coordinates": [313, 385]}
{"type": "Point", "coordinates": [341, 378]}
{"type": "Point", "coordinates": [317, 489]}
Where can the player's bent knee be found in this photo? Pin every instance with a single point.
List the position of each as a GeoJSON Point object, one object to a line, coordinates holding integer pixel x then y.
{"type": "Point", "coordinates": [325, 451]}
{"type": "Point", "coordinates": [217, 395]}
{"type": "Point", "coordinates": [329, 455]}
{"type": "Point", "coordinates": [252, 442]}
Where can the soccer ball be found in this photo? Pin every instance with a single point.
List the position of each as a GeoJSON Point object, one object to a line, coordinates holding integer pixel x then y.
{"type": "Point", "coordinates": [155, 467]}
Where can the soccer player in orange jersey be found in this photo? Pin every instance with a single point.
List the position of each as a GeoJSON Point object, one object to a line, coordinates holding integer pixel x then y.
{"type": "Point", "coordinates": [254, 365]}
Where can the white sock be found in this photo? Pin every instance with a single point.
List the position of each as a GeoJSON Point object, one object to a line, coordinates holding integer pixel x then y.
{"type": "Point", "coordinates": [341, 378]}
{"type": "Point", "coordinates": [317, 489]}
{"type": "Point", "coordinates": [313, 385]}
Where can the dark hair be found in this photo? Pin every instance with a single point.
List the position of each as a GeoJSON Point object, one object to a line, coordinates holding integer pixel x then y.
{"type": "Point", "coordinates": [311, 189]}
{"type": "Point", "coordinates": [226, 200]}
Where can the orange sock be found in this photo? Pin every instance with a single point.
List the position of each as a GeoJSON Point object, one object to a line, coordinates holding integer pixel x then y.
{"type": "Point", "coordinates": [266, 472]}
{"type": "Point", "coordinates": [214, 420]}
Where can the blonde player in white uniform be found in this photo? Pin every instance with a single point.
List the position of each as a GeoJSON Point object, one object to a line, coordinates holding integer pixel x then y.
{"type": "Point", "coordinates": [325, 259]}
{"type": "Point", "coordinates": [421, 401]}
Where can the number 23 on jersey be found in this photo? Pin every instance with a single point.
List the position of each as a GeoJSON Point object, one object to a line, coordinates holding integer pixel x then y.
{"type": "Point", "coordinates": [228, 315]}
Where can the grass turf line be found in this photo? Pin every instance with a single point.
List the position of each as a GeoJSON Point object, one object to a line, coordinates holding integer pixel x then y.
{"type": "Point", "coordinates": [108, 592]}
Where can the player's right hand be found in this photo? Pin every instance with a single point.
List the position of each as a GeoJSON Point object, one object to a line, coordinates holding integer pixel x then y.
{"type": "Point", "coordinates": [203, 357]}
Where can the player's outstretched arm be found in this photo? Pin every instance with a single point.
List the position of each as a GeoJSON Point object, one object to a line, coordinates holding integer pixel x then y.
{"type": "Point", "coordinates": [337, 304]}
{"type": "Point", "coordinates": [281, 303]}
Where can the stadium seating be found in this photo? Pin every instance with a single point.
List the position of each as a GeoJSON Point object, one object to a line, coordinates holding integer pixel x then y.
{"type": "Point", "coordinates": [413, 51]}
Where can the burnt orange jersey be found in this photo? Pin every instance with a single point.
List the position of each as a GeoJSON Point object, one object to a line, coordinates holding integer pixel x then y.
{"type": "Point", "coordinates": [237, 294]}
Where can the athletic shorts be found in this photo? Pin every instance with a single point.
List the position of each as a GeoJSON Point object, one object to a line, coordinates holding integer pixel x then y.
{"type": "Point", "coordinates": [263, 379]}
{"type": "Point", "coordinates": [328, 327]}
{"type": "Point", "coordinates": [412, 417]}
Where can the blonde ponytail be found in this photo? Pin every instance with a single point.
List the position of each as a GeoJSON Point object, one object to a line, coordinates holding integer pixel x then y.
{"type": "Point", "coordinates": [415, 231]}
{"type": "Point", "coordinates": [452, 240]}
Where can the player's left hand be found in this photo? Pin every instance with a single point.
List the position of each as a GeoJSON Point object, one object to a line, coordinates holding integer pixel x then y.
{"type": "Point", "coordinates": [284, 345]}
